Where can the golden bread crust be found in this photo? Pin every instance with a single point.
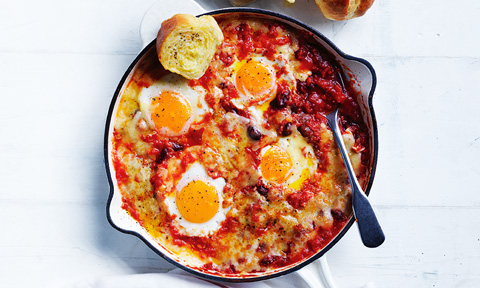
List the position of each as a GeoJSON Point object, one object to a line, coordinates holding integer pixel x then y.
{"type": "Point", "coordinates": [343, 9]}
{"type": "Point", "coordinates": [186, 44]}
{"type": "Point", "coordinates": [364, 6]}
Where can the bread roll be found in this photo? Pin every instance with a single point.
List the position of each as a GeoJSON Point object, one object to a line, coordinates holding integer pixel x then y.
{"type": "Point", "coordinates": [186, 44]}
{"type": "Point", "coordinates": [343, 9]}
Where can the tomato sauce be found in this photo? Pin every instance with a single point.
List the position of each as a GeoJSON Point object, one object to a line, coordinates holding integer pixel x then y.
{"type": "Point", "coordinates": [200, 244]}
{"type": "Point", "coordinates": [120, 171]}
{"type": "Point", "coordinates": [259, 42]}
{"type": "Point", "coordinates": [298, 200]}
{"type": "Point", "coordinates": [129, 206]}
{"type": "Point", "coordinates": [321, 93]}
{"type": "Point", "coordinates": [204, 80]}
{"type": "Point", "coordinates": [226, 58]}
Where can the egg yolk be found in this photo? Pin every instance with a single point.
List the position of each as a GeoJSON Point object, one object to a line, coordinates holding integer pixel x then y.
{"type": "Point", "coordinates": [276, 165]}
{"type": "Point", "coordinates": [171, 110]}
{"type": "Point", "coordinates": [256, 80]}
{"type": "Point", "coordinates": [198, 201]}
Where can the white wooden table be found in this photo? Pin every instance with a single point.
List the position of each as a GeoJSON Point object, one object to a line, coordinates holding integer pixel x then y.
{"type": "Point", "coordinates": [60, 62]}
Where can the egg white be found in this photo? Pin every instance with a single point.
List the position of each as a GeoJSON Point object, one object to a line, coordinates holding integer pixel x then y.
{"type": "Point", "coordinates": [174, 83]}
{"type": "Point", "coordinates": [197, 172]}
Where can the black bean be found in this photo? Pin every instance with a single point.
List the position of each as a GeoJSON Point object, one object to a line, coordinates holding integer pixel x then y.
{"type": "Point", "coordinates": [338, 215]}
{"type": "Point", "coordinates": [305, 131]}
{"type": "Point", "coordinates": [162, 156]}
{"type": "Point", "coordinates": [177, 146]}
{"type": "Point", "coordinates": [281, 99]}
{"type": "Point", "coordinates": [286, 129]}
{"type": "Point", "coordinates": [262, 247]}
{"type": "Point", "coordinates": [253, 133]}
{"type": "Point", "coordinates": [262, 190]}
{"type": "Point", "coordinates": [266, 261]}
{"type": "Point", "coordinates": [230, 107]}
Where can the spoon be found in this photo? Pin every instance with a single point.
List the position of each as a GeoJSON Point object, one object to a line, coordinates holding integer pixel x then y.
{"type": "Point", "coordinates": [368, 225]}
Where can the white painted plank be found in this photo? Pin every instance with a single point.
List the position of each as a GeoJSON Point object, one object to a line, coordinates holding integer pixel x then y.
{"type": "Point", "coordinates": [67, 243]}
{"type": "Point", "coordinates": [76, 242]}
{"type": "Point", "coordinates": [55, 26]}
{"type": "Point", "coordinates": [390, 28]}
{"type": "Point", "coordinates": [424, 247]}
{"type": "Point", "coordinates": [427, 114]}
{"type": "Point", "coordinates": [52, 143]}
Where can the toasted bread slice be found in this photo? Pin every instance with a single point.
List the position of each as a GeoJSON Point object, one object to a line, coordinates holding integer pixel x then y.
{"type": "Point", "coordinates": [186, 44]}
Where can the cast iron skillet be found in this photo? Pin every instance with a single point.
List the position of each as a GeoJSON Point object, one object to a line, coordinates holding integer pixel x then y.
{"type": "Point", "coordinates": [354, 68]}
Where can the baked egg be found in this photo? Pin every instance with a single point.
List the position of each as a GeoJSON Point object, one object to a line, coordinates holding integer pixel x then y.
{"type": "Point", "coordinates": [288, 162]}
{"type": "Point", "coordinates": [170, 105]}
{"type": "Point", "coordinates": [197, 202]}
{"type": "Point", "coordinates": [256, 79]}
